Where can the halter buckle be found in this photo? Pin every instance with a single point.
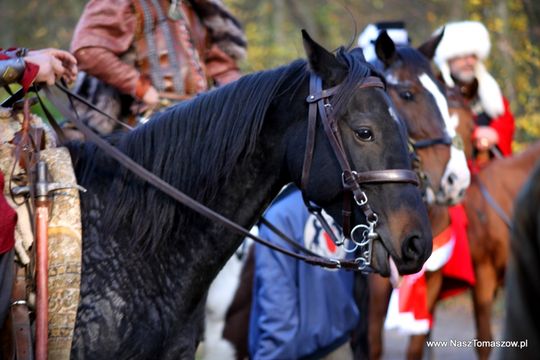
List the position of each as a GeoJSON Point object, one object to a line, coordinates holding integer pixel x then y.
{"type": "Point", "coordinates": [363, 201]}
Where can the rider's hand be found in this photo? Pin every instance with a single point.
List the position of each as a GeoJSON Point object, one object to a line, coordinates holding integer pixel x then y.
{"type": "Point", "coordinates": [53, 64]}
{"type": "Point", "coordinates": [485, 137]}
{"type": "Point", "coordinates": [151, 97]}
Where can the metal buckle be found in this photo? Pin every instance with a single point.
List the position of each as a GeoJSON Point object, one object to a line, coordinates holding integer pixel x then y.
{"type": "Point", "coordinates": [363, 201]}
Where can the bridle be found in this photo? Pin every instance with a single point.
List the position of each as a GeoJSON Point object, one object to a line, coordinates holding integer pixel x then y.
{"type": "Point", "coordinates": [362, 235]}
{"type": "Point", "coordinates": [414, 146]}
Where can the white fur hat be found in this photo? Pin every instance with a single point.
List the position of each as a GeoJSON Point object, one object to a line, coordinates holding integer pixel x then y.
{"type": "Point", "coordinates": [395, 29]}
{"type": "Point", "coordinates": [466, 38]}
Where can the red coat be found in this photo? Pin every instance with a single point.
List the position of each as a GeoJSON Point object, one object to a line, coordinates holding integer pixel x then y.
{"type": "Point", "coordinates": [504, 125]}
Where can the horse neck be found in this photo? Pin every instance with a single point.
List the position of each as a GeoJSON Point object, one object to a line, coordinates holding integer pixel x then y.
{"type": "Point", "coordinates": [250, 188]}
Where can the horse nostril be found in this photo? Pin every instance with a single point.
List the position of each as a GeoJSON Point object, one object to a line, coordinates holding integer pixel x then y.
{"type": "Point", "coordinates": [412, 249]}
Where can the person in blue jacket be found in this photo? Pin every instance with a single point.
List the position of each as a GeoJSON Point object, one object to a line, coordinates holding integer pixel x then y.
{"type": "Point", "coordinates": [299, 311]}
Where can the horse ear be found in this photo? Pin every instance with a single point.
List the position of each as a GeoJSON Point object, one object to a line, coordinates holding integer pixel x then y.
{"type": "Point", "coordinates": [429, 47]}
{"type": "Point", "coordinates": [322, 62]}
{"type": "Point", "coordinates": [385, 49]}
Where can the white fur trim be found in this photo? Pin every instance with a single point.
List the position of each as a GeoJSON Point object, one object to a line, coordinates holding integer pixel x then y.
{"type": "Point", "coordinates": [462, 38]}
{"type": "Point", "coordinates": [404, 322]}
{"type": "Point", "coordinates": [445, 73]}
{"type": "Point", "coordinates": [489, 92]}
{"type": "Point", "coordinates": [440, 256]}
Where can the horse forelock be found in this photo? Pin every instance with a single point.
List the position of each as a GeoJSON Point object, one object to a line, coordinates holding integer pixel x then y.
{"type": "Point", "coordinates": [358, 70]}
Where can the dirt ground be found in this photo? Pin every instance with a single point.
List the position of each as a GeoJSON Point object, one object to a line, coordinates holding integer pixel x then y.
{"type": "Point", "coordinates": [454, 321]}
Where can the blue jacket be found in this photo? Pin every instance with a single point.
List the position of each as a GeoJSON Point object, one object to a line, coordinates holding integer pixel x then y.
{"type": "Point", "coordinates": [299, 310]}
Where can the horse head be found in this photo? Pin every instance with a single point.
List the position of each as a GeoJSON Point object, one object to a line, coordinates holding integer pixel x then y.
{"type": "Point", "coordinates": [420, 101]}
{"type": "Point", "coordinates": [373, 141]}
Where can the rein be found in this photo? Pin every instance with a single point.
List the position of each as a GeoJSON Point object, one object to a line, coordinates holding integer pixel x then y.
{"type": "Point", "coordinates": [319, 102]}
{"type": "Point", "coordinates": [493, 203]}
{"type": "Point", "coordinates": [178, 195]}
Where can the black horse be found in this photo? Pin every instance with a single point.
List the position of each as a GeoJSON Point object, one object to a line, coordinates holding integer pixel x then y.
{"type": "Point", "coordinates": [148, 261]}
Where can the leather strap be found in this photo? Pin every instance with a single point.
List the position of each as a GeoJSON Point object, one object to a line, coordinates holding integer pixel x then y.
{"type": "Point", "coordinates": [21, 330]}
{"type": "Point", "coordinates": [385, 176]}
{"type": "Point", "coordinates": [493, 203]}
{"type": "Point", "coordinates": [424, 143]}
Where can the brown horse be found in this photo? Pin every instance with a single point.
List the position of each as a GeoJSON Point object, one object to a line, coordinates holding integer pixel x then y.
{"type": "Point", "coordinates": [489, 234]}
{"type": "Point", "coordinates": [523, 275]}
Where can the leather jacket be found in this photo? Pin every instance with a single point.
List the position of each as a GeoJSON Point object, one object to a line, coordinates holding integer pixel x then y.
{"type": "Point", "coordinates": [132, 44]}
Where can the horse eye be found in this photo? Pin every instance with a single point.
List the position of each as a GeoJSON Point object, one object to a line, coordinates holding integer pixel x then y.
{"type": "Point", "coordinates": [364, 134]}
{"type": "Point", "coordinates": [406, 95]}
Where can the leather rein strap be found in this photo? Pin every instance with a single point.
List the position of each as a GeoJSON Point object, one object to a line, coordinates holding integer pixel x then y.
{"type": "Point", "coordinates": [124, 160]}
{"type": "Point", "coordinates": [319, 102]}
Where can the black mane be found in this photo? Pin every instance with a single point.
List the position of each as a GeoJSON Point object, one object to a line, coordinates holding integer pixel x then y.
{"type": "Point", "coordinates": [194, 146]}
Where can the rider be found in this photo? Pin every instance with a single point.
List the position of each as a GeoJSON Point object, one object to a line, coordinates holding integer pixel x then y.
{"type": "Point", "coordinates": [459, 56]}
{"type": "Point", "coordinates": [155, 53]}
{"type": "Point", "coordinates": [299, 311]}
{"type": "Point", "coordinates": [25, 68]}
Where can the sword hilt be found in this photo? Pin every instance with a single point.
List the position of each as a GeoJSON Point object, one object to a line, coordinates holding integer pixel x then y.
{"type": "Point", "coordinates": [42, 186]}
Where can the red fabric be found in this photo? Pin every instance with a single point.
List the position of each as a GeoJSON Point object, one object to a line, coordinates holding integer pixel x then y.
{"type": "Point", "coordinates": [413, 297]}
{"type": "Point", "coordinates": [458, 272]}
{"type": "Point", "coordinates": [504, 125]}
{"type": "Point", "coordinates": [29, 75]}
{"type": "Point", "coordinates": [458, 275]}
{"type": "Point", "coordinates": [8, 219]}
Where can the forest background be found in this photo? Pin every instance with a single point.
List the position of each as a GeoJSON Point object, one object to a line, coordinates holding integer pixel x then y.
{"type": "Point", "coordinates": [273, 33]}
